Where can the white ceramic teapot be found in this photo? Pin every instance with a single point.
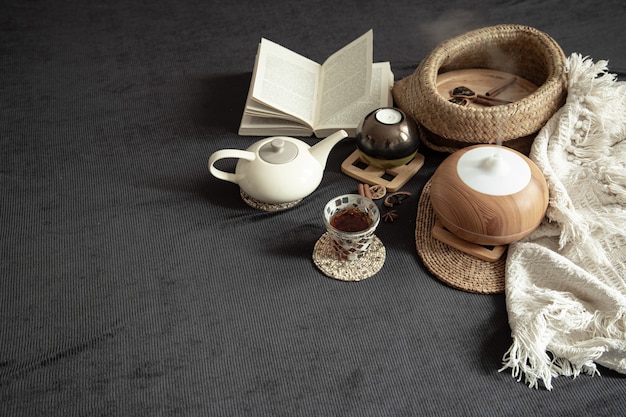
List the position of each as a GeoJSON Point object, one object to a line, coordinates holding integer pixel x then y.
{"type": "Point", "coordinates": [278, 169]}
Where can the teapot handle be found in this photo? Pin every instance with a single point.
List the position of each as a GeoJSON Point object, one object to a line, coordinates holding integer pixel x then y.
{"type": "Point", "coordinates": [228, 153]}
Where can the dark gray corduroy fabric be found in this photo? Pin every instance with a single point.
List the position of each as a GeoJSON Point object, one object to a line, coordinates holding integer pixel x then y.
{"type": "Point", "coordinates": [134, 284]}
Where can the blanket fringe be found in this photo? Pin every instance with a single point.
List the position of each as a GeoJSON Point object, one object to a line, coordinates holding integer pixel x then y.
{"type": "Point", "coordinates": [535, 367]}
{"type": "Point", "coordinates": [530, 357]}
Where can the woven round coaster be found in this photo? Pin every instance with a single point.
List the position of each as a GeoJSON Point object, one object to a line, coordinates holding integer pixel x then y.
{"type": "Point", "coordinates": [254, 203]}
{"type": "Point", "coordinates": [365, 267]}
{"type": "Point", "coordinates": [452, 266]}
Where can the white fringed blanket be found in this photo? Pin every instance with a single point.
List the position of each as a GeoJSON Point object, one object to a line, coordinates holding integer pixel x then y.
{"type": "Point", "coordinates": [566, 283]}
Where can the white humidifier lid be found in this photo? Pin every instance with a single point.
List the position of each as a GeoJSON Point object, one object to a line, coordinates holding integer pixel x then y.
{"type": "Point", "coordinates": [493, 170]}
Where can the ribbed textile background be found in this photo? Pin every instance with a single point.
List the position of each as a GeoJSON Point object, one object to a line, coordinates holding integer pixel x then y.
{"type": "Point", "coordinates": [132, 283]}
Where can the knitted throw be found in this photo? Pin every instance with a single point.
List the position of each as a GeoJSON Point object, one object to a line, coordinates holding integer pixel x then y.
{"type": "Point", "coordinates": [565, 284]}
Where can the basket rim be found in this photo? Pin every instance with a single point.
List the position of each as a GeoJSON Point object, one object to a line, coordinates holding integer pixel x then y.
{"type": "Point", "coordinates": [540, 59]}
{"type": "Point", "coordinates": [446, 48]}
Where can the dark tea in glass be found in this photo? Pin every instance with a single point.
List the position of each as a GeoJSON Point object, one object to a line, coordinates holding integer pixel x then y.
{"type": "Point", "coordinates": [350, 220]}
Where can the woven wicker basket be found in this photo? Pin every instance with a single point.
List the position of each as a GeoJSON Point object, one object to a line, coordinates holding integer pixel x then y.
{"type": "Point", "coordinates": [522, 50]}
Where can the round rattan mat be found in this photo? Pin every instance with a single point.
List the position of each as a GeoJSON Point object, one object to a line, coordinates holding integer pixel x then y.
{"type": "Point", "coordinates": [343, 270]}
{"type": "Point", "coordinates": [259, 205]}
{"type": "Point", "coordinates": [450, 265]}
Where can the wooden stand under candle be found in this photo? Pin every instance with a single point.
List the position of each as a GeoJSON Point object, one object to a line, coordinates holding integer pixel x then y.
{"type": "Point", "coordinates": [489, 195]}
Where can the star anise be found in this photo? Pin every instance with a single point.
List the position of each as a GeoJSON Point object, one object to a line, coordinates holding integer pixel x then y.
{"type": "Point", "coordinates": [390, 216]}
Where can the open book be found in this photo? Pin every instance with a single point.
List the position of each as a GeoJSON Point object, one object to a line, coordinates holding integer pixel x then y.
{"type": "Point", "coordinates": [294, 96]}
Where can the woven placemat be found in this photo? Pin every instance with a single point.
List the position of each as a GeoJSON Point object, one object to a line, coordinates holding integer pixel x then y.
{"type": "Point", "coordinates": [358, 270]}
{"type": "Point", "coordinates": [450, 265]}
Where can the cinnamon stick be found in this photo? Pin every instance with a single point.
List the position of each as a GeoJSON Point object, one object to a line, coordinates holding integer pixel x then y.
{"type": "Point", "coordinates": [364, 191]}
{"type": "Point", "coordinates": [500, 88]}
{"type": "Point", "coordinates": [489, 101]}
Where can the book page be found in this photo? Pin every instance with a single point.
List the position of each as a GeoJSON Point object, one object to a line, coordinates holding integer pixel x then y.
{"type": "Point", "coordinates": [286, 81]}
{"type": "Point", "coordinates": [349, 117]}
{"type": "Point", "coordinates": [258, 109]}
{"type": "Point", "coordinates": [346, 77]}
{"type": "Point", "coordinates": [252, 125]}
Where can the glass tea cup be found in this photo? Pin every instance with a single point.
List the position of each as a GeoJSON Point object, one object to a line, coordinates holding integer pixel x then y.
{"type": "Point", "coordinates": [351, 221]}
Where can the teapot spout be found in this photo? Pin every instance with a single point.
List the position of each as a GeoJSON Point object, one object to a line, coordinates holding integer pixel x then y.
{"type": "Point", "coordinates": [322, 149]}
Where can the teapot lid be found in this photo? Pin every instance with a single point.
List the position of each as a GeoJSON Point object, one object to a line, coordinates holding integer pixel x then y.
{"type": "Point", "coordinates": [278, 151]}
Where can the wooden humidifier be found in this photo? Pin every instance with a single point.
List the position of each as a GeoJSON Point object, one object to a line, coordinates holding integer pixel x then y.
{"type": "Point", "coordinates": [487, 195]}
